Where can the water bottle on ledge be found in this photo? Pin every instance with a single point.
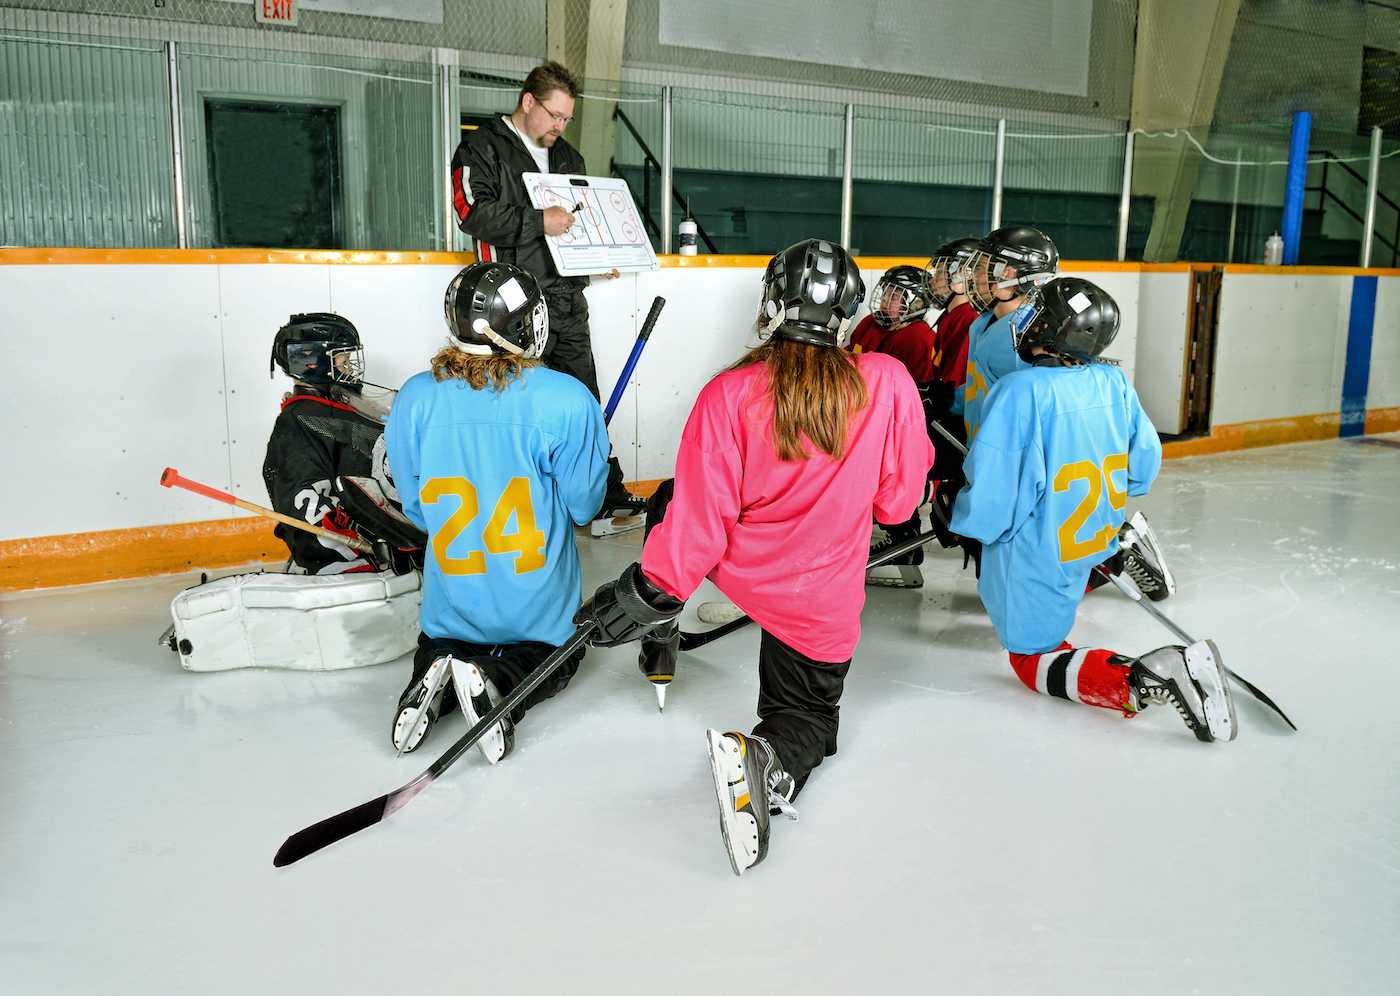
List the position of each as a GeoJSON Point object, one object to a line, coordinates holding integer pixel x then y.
{"type": "Point", "coordinates": [688, 230]}
{"type": "Point", "coordinates": [1273, 250]}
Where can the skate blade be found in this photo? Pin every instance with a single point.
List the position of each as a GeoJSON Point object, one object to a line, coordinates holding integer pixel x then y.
{"type": "Point", "coordinates": [718, 613]}
{"type": "Point", "coordinates": [660, 696]}
{"type": "Point", "coordinates": [433, 682]}
{"type": "Point", "coordinates": [1207, 669]}
{"type": "Point", "coordinates": [615, 525]}
{"type": "Point", "coordinates": [470, 684]}
{"type": "Point", "coordinates": [720, 771]}
{"type": "Point", "coordinates": [895, 576]}
{"type": "Point", "coordinates": [167, 638]}
{"type": "Point", "coordinates": [1143, 528]}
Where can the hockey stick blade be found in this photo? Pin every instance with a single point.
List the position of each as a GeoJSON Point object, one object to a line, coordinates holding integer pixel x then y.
{"type": "Point", "coordinates": [352, 821]}
{"type": "Point", "coordinates": [690, 641]}
{"type": "Point", "coordinates": [1258, 693]}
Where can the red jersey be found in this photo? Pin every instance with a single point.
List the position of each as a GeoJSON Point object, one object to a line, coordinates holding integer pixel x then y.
{"type": "Point", "coordinates": [950, 343]}
{"type": "Point", "coordinates": [912, 345]}
{"type": "Point", "coordinates": [788, 540]}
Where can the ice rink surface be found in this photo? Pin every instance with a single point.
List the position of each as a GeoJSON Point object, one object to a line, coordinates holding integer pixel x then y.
{"type": "Point", "coordinates": [970, 837]}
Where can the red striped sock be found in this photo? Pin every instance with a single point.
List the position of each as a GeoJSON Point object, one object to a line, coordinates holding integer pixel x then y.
{"type": "Point", "coordinates": [1093, 677]}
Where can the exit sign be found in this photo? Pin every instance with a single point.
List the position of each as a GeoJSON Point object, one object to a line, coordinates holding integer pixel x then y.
{"type": "Point", "coordinates": [275, 11]}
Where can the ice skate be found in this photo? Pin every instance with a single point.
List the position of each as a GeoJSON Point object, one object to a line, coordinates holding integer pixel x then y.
{"type": "Point", "coordinates": [657, 658]}
{"type": "Point", "coordinates": [420, 705]}
{"type": "Point", "coordinates": [718, 613]}
{"type": "Point", "coordinates": [903, 571]}
{"type": "Point", "coordinates": [1143, 560]}
{"type": "Point", "coordinates": [744, 766]}
{"type": "Point", "coordinates": [622, 512]}
{"type": "Point", "coordinates": [478, 696]}
{"type": "Point", "coordinates": [1193, 680]}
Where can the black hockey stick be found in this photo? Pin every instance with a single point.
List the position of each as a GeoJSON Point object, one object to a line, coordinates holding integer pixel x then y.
{"type": "Point", "coordinates": [690, 641]}
{"type": "Point", "coordinates": [342, 825]}
{"type": "Point", "coordinates": [1161, 617]}
{"type": "Point", "coordinates": [1181, 634]}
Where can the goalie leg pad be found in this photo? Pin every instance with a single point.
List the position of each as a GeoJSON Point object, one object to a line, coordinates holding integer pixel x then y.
{"type": "Point", "coordinates": [299, 622]}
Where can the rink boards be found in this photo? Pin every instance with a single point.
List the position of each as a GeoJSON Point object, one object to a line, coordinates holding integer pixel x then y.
{"type": "Point", "coordinates": [122, 362]}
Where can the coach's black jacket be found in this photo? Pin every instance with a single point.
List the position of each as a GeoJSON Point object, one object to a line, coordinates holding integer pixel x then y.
{"type": "Point", "coordinates": [493, 207]}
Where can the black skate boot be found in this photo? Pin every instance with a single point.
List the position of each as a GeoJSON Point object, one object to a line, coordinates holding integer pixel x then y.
{"type": "Point", "coordinates": [657, 658]}
{"type": "Point", "coordinates": [744, 767]}
{"type": "Point", "coordinates": [903, 571]}
{"type": "Point", "coordinates": [1193, 680]}
{"type": "Point", "coordinates": [1143, 560]}
{"type": "Point", "coordinates": [478, 696]}
{"type": "Point", "coordinates": [420, 705]}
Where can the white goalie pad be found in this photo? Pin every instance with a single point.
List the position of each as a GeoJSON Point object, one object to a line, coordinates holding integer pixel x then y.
{"type": "Point", "coordinates": [299, 622]}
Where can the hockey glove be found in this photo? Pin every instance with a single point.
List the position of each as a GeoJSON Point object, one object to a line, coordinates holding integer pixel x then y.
{"type": "Point", "coordinates": [623, 610]}
{"type": "Point", "coordinates": [943, 499]}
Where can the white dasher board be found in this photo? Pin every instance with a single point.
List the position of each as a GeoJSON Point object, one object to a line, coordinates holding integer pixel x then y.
{"type": "Point", "coordinates": [608, 232]}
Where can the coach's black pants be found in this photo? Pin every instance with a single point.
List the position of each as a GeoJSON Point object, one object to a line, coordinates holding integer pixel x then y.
{"type": "Point", "coordinates": [570, 351]}
{"type": "Point", "coordinates": [506, 665]}
{"type": "Point", "coordinates": [798, 698]}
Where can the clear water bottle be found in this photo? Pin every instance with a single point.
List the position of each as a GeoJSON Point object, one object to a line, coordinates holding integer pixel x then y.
{"type": "Point", "coordinates": [688, 231]}
{"type": "Point", "coordinates": [1273, 250]}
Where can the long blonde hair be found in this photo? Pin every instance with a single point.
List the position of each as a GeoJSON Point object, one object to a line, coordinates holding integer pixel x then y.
{"type": "Point", "coordinates": [495, 372]}
{"type": "Point", "coordinates": [815, 391]}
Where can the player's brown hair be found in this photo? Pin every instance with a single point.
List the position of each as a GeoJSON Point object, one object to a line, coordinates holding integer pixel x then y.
{"type": "Point", "coordinates": [815, 390]}
{"type": "Point", "coordinates": [481, 372]}
{"type": "Point", "coordinates": [544, 79]}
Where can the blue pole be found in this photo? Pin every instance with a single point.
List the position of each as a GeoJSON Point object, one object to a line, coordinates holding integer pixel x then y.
{"type": "Point", "coordinates": [1297, 180]}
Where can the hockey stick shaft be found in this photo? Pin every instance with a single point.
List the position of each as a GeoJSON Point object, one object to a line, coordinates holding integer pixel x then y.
{"type": "Point", "coordinates": [171, 478]}
{"type": "Point", "coordinates": [642, 337]}
{"type": "Point", "coordinates": [342, 825]}
{"type": "Point", "coordinates": [690, 641]}
{"type": "Point", "coordinates": [1187, 638]}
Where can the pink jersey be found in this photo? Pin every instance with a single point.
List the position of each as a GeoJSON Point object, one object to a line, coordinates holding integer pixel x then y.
{"type": "Point", "coordinates": [788, 541]}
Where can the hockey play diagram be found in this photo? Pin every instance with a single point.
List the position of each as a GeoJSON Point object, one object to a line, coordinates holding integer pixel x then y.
{"type": "Point", "coordinates": [607, 233]}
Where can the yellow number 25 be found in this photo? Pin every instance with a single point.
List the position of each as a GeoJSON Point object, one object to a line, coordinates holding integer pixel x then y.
{"type": "Point", "coordinates": [1071, 546]}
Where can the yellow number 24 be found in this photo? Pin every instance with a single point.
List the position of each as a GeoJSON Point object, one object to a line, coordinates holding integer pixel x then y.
{"type": "Point", "coordinates": [1071, 547]}
{"type": "Point", "coordinates": [527, 542]}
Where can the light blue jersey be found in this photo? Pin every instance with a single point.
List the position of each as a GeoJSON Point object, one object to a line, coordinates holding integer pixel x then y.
{"type": "Point", "coordinates": [1059, 452]}
{"type": "Point", "coordinates": [990, 357]}
{"type": "Point", "coordinates": [497, 480]}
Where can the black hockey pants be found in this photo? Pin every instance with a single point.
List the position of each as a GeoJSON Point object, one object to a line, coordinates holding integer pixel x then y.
{"type": "Point", "coordinates": [798, 698]}
{"type": "Point", "coordinates": [570, 351]}
{"type": "Point", "coordinates": [506, 666]}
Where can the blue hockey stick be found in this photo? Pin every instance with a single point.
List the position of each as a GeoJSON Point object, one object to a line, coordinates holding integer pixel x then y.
{"type": "Point", "coordinates": [633, 357]}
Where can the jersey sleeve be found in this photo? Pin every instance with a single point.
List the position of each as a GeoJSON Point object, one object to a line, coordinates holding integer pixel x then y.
{"type": "Point", "coordinates": [476, 197]}
{"type": "Point", "coordinates": [908, 453]}
{"type": "Point", "coordinates": [1005, 467]}
{"type": "Point", "coordinates": [401, 441]}
{"type": "Point", "coordinates": [1144, 447]}
{"type": "Point", "coordinates": [579, 457]}
{"type": "Point", "coordinates": [694, 535]}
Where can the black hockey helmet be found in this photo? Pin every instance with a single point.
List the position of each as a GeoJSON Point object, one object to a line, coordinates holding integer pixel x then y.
{"type": "Point", "coordinates": [1068, 316]}
{"type": "Point", "coordinates": [319, 348]}
{"type": "Point", "coordinates": [901, 296]}
{"type": "Point", "coordinates": [948, 269]}
{"type": "Point", "coordinates": [496, 308]}
{"type": "Point", "coordinates": [811, 291]}
{"type": "Point", "coordinates": [1015, 258]}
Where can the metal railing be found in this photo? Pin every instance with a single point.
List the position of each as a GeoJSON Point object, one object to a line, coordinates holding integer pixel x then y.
{"type": "Point", "coordinates": [649, 163]}
{"type": "Point", "coordinates": [1325, 193]}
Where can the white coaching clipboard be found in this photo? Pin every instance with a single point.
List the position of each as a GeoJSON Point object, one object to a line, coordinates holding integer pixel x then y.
{"type": "Point", "coordinates": [607, 234]}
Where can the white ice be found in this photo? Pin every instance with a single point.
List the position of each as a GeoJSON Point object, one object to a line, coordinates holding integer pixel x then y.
{"type": "Point", "coordinates": [970, 837]}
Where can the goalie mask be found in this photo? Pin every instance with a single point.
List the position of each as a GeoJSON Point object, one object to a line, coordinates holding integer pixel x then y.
{"type": "Point", "coordinates": [1009, 263]}
{"type": "Point", "coordinates": [948, 270]}
{"type": "Point", "coordinates": [496, 309]}
{"type": "Point", "coordinates": [319, 349]}
{"type": "Point", "coordinates": [1068, 316]}
{"type": "Point", "coordinates": [811, 291]}
{"type": "Point", "coordinates": [901, 296]}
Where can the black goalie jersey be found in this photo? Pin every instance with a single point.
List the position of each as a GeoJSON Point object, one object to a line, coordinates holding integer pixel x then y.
{"type": "Point", "coordinates": [314, 441]}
